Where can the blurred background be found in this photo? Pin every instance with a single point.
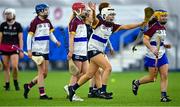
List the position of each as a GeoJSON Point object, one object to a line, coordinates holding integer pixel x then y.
{"type": "Point", "coordinates": [128, 11]}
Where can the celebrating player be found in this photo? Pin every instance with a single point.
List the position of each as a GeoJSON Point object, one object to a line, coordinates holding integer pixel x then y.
{"type": "Point", "coordinates": [10, 34]}
{"type": "Point", "coordinates": [103, 29]}
{"type": "Point", "coordinates": [96, 81]}
{"type": "Point", "coordinates": [155, 59]}
{"type": "Point", "coordinates": [40, 31]}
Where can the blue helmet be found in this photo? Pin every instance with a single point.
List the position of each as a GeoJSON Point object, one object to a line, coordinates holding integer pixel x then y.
{"type": "Point", "coordinates": [40, 7]}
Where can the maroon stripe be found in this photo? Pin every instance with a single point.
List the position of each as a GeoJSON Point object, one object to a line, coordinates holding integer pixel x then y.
{"type": "Point", "coordinates": [7, 47]}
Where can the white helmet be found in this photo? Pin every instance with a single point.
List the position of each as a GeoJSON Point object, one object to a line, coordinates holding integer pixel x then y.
{"type": "Point", "coordinates": [10, 10]}
{"type": "Point", "coordinates": [107, 11]}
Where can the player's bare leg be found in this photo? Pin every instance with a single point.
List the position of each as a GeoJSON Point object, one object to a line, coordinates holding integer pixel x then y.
{"type": "Point", "coordinates": [6, 63]}
{"type": "Point", "coordinates": [89, 74]}
{"type": "Point", "coordinates": [73, 78]}
{"type": "Point", "coordinates": [40, 82]}
{"type": "Point", "coordinates": [82, 66]}
{"type": "Point", "coordinates": [15, 59]}
{"type": "Point", "coordinates": [96, 83]}
{"type": "Point", "coordinates": [164, 83]}
{"type": "Point", "coordinates": [91, 86]}
{"type": "Point", "coordinates": [93, 68]}
{"type": "Point", "coordinates": [146, 79]}
{"type": "Point", "coordinates": [27, 87]}
{"type": "Point", "coordinates": [106, 66]}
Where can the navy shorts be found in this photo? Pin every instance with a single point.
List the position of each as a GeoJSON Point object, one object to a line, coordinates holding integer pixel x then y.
{"type": "Point", "coordinates": [79, 58]}
{"type": "Point", "coordinates": [149, 62]}
{"type": "Point", "coordinates": [93, 53]}
{"type": "Point", "coordinates": [45, 56]}
{"type": "Point", "coordinates": [9, 53]}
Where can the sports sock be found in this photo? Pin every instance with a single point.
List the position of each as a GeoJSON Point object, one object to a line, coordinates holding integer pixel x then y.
{"type": "Point", "coordinates": [75, 86]}
{"type": "Point", "coordinates": [31, 84]}
{"type": "Point", "coordinates": [103, 89]}
{"type": "Point", "coordinates": [163, 94]}
{"type": "Point", "coordinates": [42, 91]}
{"type": "Point", "coordinates": [90, 89]}
{"type": "Point", "coordinates": [7, 84]}
{"type": "Point", "coordinates": [15, 83]}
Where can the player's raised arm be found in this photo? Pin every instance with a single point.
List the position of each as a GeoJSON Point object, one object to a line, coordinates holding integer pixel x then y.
{"type": "Point", "coordinates": [131, 26]}
{"type": "Point", "coordinates": [92, 6]}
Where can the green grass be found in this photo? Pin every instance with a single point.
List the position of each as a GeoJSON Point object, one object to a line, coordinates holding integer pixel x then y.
{"type": "Point", "coordinates": [120, 84]}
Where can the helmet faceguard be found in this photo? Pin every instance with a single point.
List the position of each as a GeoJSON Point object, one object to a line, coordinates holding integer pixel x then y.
{"type": "Point", "coordinates": [159, 13]}
{"type": "Point", "coordinates": [107, 11]}
{"type": "Point", "coordinates": [9, 14]}
{"type": "Point", "coordinates": [41, 10]}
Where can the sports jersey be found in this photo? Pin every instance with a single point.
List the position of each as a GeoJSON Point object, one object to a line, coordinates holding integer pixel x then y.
{"type": "Point", "coordinates": [10, 36]}
{"type": "Point", "coordinates": [101, 34]}
{"type": "Point", "coordinates": [153, 32]}
{"type": "Point", "coordinates": [78, 27]}
{"type": "Point", "coordinates": [40, 29]}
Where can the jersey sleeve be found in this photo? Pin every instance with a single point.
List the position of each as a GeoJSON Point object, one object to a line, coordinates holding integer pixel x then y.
{"type": "Point", "coordinates": [1, 28]}
{"type": "Point", "coordinates": [51, 26]}
{"type": "Point", "coordinates": [20, 29]}
{"type": "Point", "coordinates": [72, 26]}
{"type": "Point", "coordinates": [115, 27]}
{"type": "Point", "coordinates": [32, 27]}
{"type": "Point", "coordinates": [150, 31]}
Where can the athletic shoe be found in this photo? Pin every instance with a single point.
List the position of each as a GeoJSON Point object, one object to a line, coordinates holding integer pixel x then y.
{"type": "Point", "coordinates": [17, 88]}
{"type": "Point", "coordinates": [93, 94]}
{"type": "Point", "coordinates": [71, 93]}
{"type": "Point", "coordinates": [45, 97]}
{"type": "Point", "coordinates": [135, 87]}
{"type": "Point", "coordinates": [66, 89]}
{"type": "Point", "coordinates": [77, 98]}
{"type": "Point", "coordinates": [104, 96]}
{"type": "Point", "coordinates": [165, 99]}
{"type": "Point", "coordinates": [109, 93]}
{"type": "Point", "coordinates": [26, 91]}
{"type": "Point", "coordinates": [7, 88]}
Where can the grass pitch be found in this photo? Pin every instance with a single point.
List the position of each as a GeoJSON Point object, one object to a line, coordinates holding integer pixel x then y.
{"type": "Point", "coordinates": [119, 84]}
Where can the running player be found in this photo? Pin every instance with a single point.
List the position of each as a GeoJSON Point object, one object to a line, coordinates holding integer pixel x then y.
{"type": "Point", "coordinates": [156, 30]}
{"type": "Point", "coordinates": [10, 34]}
{"type": "Point", "coordinates": [93, 92]}
{"type": "Point", "coordinates": [40, 31]}
{"type": "Point", "coordinates": [103, 29]}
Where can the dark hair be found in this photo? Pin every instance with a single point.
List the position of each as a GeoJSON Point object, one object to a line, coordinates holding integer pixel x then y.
{"type": "Point", "coordinates": [103, 5]}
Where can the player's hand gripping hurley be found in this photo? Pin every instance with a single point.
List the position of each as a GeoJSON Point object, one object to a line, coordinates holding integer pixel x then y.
{"type": "Point", "coordinates": [158, 42]}
{"type": "Point", "coordinates": [37, 59]}
{"type": "Point", "coordinates": [148, 11]}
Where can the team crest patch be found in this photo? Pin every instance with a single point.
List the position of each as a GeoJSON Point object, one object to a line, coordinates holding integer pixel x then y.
{"type": "Point", "coordinates": [94, 52]}
{"type": "Point", "coordinates": [77, 57]}
{"type": "Point", "coordinates": [5, 27]}
{"type": "Point", "coordinates": [158, 31]}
